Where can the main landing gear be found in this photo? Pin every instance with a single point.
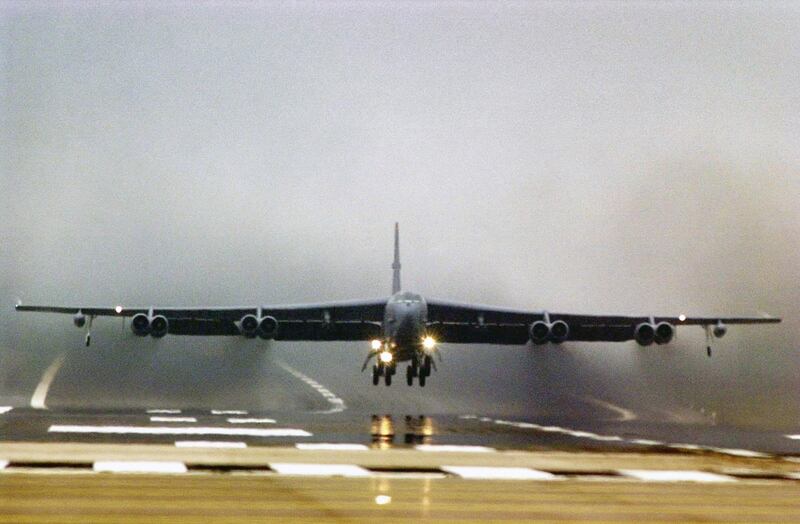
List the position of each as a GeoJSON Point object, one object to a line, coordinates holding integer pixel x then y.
{"type": "Point", "coordinates": [387, 372]}
{"type": "Point", "coordinates": [422, 372]}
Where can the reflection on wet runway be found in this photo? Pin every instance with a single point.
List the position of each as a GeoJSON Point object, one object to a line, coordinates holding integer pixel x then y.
{"type": "Point", "coordinates": [415, 430]}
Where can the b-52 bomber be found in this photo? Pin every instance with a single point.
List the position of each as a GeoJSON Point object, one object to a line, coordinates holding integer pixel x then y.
{"type": "Point", "coordinates": [406, 327]}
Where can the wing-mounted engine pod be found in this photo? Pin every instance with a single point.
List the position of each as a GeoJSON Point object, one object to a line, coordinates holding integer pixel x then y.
{"type": "Point", "coordinates": [159, 326]}
{"type": "Point", "coordinates": [249, 326]}
{"type": "Point", "coordinates": [664, 333]}
{"type": "Point", "coordinates": [539, 332]}
{"type": "Point", "coordinates": [268, 328]}
{"type": "Point", "coordinates": [645, 334]}
{"type": "Point", "coordinates": [720, 329]}
{"type": "Point", "coordinates": [140, 325]}
{"type": "Point", "coordinates": [559, 331]}
{"type": "Point", "coordinates": [79, 319]}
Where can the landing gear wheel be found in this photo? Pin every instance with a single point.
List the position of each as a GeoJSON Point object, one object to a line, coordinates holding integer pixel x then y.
{"type": "Point", "coordinates": [410, 376]}
{"type": "Point", "coordinates": [375, 376]}
{"type": "Point", "coordinates": [422, 378]}
{"type": "Point", "coordinates": [387, 377]}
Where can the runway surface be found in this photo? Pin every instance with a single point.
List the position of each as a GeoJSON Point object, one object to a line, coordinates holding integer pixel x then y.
{"type": "Point", "coordinates": [239, 433]}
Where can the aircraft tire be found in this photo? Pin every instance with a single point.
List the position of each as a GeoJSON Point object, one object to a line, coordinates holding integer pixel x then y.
{"type": "Point", "coordinates": [410, 376]}
{"type": "Point", "coordinates": [375, 376]}
{"type": "Point", "coordinates": [387, 377]}
{"type": "Point", "coordinates": [422, 378]}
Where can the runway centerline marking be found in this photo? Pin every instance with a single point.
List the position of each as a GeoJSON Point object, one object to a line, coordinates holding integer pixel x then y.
{"type": "Point", "coordinates": [648, 475]}
{"type": "Point", "coordinates": [498, 473]}
{"type": "Point", "coordinates": [337, 404]}
{"type": "Point", "coordinates": [251, 421]}
{"type": "Point", "coordinates": [173, 430]}
{"type": "Point", "coordinates": [325, 470]}
{"type": "Point", "coordinates": [228, 412]}
{"type": "Point", "coordinates": [139, 467]}
{"type": "Point", "coordinates": [173, 419]}
{"type": "Point", "coordinates": [5, 409]}
{"type": "Point", "coordinates": [315, 446]}
{"type": "Point", "coordinates": [40, 393]}
{"type": "Point", "coordinates": [209, 444]}
{"type": "Point", "coordinates": [164, 411]}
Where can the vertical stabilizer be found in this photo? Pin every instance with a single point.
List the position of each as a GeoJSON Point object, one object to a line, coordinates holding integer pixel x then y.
{"type": "Point", "coordinates": [396, 263]}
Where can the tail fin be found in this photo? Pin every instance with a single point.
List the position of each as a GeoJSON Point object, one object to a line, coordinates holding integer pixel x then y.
{"type": "Point", "coordinates": [396, 263]}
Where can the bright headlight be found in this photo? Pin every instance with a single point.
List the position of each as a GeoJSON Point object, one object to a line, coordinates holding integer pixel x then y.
{"type": "Point", "coordinates": [386, 357]}
{"type": "Point", "coordinates": [428, 342]}
{"type": "Point", "coordinates": [376, 344]}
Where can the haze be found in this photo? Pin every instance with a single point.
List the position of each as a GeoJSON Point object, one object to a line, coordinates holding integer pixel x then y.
{"type": "Point", "coordinates": [588, 157]}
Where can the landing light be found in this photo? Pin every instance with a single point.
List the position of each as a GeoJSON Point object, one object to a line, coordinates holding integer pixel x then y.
{"type": "Point", "coordinates": [118, 309]}
{"type": "Point", "coordinates": [681, 317]}
{"type": "Point", "coordinates": [376, 344]}
{"type": "Point", "coordinates": [428, 342]}
{"type": "Point", "coordinates": [386, 357]}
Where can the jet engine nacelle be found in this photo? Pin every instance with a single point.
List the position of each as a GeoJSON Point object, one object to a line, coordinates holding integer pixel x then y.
{"type": "Point", "coordinates": [159, 326]}
{"type": "Point", "coordinates": [664, 333]}
{"type": "Point", "coordinates": [268, 328]}
{"type": "Point", "coordinates": [249, 326]}
{"type": "Point", "coordinates": [645, 334]}
{"type": "Point", "coordinates": [79, 319]}
{"type": "Point", "coordinates": [140, 325]}
{"type": "Point", "coordinates": [720, 329]}
{"type": "Point", "coordinates": [541, 332]}
{"type": "Point", "coordinates": [143, 325]}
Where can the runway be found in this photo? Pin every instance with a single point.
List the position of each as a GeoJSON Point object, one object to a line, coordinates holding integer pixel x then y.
{"type": "Point", "coordinates": [239, 433]}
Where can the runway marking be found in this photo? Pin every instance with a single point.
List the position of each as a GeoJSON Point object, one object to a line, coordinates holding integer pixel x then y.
{"type": "Point", "coordinates": [173, 419]}
{"type": "Point", "coordinates": [209, 444]}
{"type": "Point", "coordinates": [647, 442]}
{"type": "Point", "coordinates": [313, 446]}
{"type": "Point", "coordinates": [164, 411]}
{"type": "Point", "coordinates": [793, 437]}
{"type": "Point", "coordinates": [325, 470]}
{"type": "Point", "coordinates": [251, 421]}
{"type": "Point", "coordinates": [3, 464]}
{"type": "Point", "coordinates": [139, 467]}
{"type": "Point", "coordinates": [739, 452]}
{"type": "Point", "coordinates": [228, 412]}
{"type": "Point", "coordinates": [489, 473]}
{"type": "Point", "coordinates": [624, 414]}
{"type": "Point", "coordinates": [172, 430]}
{"type": "Point", "coordinates": [337, 404]}
{"type": "Point", "coordinates": [452, 448]}
{"type": "Point", "coordinates": [5, 409]}
{"type": "Point", "coordinates": [648, 475]}
{"type": "Point", "coordinates": [40, 393]}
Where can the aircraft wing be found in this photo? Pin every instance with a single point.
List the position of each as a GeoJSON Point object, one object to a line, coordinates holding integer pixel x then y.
{"type": "Point", "coordinates": [343, 320]}
{"type": "Point", "coordinates": [459, 323]}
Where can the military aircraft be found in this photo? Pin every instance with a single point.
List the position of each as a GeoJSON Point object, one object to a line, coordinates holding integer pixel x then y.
{"type": "Point", "coordinates": [406, 327]}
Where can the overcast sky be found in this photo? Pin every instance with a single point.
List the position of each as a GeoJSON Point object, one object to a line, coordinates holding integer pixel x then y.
{"type": "Point", "coordinates": [587, 157]}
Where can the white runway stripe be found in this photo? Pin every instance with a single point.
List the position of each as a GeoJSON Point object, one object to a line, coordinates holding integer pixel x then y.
{"type": "Point", "coordinates": [325, 470]}
{"type": "Point", "coordinates": [5, 409]}
{"type": "Point", "coordinates": [313, 446]}
{"type": "Point", "coordinates": [251, 421]}
{"type": "Point", "coordinates": [488, 473]}
{"type": "Point", "coordinates": [228, 412]}
{"type": "Point", "coordinates": [452, 448]}
{"type": "Point", "coordinates": [171, 430]}
{"type": "Point", "coordinates": [3, 464]}
{"type": "Point", "coordinates": [793, 437]}
{"type": "Point", "coordinates": [337, 404]}
{"type": "Point", "coordinates": [208, 444]}
{"type": "Point", "coordinates": [140, 467]}
{"type": "Point", "coordinates": [40, 393]}
{"type": "Point", "coordinates": [173, 419]}
{"type": "Point", "coordinates": [164, 411]}
{"type": "Point", "coordinates": [648, 475]}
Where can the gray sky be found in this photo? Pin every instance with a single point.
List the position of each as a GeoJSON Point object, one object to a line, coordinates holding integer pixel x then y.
{"type": "Point", "coordinates": [590, 157]}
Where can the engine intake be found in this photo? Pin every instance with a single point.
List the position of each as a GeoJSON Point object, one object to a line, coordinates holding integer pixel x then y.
{"type": "Point", "coordinates": [720, 329]}
{"type": "Point", "coordinates": [268, 328]}
{"type": "Point", "coordinates": [664, 333]}
{"type": "Point", "coordinates": [539, 332]}
{"type": "Point", "coordinates": [159, 326]}
{"type": "Point", "coordinates": [249, 326]}
{"type": "Point", "coordinates": [559, 331]}
{"type": "Point", "coordinates": [79, 319]}
{"type": "Point", "coordinates": [645, 334]}
{"type": "Point", "coordinates": [140, 325]}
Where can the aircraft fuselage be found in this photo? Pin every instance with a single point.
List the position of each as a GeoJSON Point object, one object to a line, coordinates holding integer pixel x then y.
{"type": "Point", "coordinates": [405, 325]}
